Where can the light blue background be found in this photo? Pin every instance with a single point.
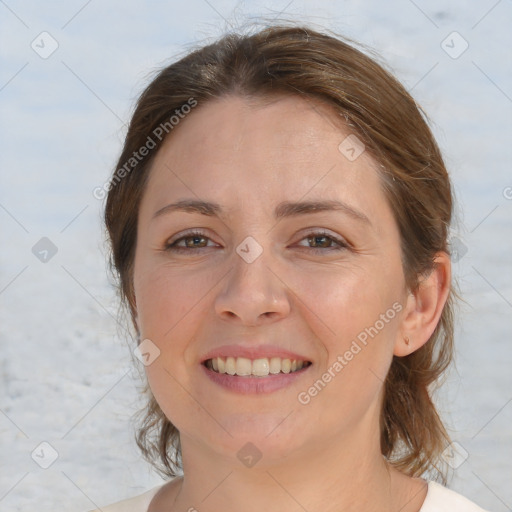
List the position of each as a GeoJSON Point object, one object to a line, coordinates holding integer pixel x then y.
{"type": "Point", "coordinates": [65, 372]}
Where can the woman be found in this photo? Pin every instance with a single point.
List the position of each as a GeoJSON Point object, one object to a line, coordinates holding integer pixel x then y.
{"type": "Point", "coordinates": [278, 220]}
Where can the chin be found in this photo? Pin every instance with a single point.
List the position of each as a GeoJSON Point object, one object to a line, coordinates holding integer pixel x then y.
{"type": "Point", "coordinates": [265, 437]}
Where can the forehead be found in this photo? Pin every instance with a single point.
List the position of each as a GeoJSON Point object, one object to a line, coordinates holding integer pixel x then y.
{"type": "Point", "coordinates": [253, 151]}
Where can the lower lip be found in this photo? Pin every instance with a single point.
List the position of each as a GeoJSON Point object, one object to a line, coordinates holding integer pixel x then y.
{"type": "Point", "coordinates": [257, 385]}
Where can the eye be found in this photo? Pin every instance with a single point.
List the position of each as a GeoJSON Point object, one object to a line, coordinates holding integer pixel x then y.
{"type": "Point", "coordinates": [192, 240]}
{"type": "Point", "coordinates": [325, 241]}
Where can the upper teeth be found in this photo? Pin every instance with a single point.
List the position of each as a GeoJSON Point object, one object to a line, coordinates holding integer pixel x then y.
{"type": "Point", "coordinates": [243, 366]}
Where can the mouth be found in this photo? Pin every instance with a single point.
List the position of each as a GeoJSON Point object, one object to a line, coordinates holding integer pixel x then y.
{"type": "Point", "coordinates": [264, 367]}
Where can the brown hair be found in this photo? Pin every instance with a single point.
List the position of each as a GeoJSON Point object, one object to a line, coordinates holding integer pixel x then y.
{"type": "Point", "coordinates": [298, 60]}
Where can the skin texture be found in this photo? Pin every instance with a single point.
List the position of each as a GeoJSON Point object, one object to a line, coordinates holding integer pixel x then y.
{"type": "Point", "coordinates": [300, 294]}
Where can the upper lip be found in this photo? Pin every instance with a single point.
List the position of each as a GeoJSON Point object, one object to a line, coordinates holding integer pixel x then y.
{"type": "Point", "coordinates": [253, 352]}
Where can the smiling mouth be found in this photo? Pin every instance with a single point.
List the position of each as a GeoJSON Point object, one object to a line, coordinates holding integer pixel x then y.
{"type": "Point", "coordinates": [262, 367]}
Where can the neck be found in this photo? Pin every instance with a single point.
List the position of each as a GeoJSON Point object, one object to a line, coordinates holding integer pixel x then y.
{"type": "Point", "coordinates": [340, 475]}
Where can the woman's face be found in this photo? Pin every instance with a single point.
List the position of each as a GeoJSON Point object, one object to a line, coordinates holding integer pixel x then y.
{"type": "Point", "coordinates": [263, 276]}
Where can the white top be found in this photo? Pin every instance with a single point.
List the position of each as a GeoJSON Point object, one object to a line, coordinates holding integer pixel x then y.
{"type": "Point", "coordinates": [439, 499]}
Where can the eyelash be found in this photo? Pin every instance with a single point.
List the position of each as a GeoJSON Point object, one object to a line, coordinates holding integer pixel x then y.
{"type": "Point", "coordinates": [314, 234]}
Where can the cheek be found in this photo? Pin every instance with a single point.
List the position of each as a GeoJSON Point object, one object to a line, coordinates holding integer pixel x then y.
{"type": "Point", "coordinates": [362, 325]}
{"type": "Point", "coordinates": [168, 387]}
{"type": "Point", "coordinates": [347, 301]}
{"type": "Point", "coordinates": [164, 299]}
{"type": "Point", "coordinates": [357, 325]}
{"type": "Point", "coordinates": [168, 306]}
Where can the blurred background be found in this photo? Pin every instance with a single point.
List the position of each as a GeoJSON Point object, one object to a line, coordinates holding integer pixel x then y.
{"type": "Point", "coordinates": [69, 75]}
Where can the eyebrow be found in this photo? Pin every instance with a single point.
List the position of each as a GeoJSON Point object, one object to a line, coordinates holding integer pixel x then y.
{"type": "Point", "coordinates": [284, 209]}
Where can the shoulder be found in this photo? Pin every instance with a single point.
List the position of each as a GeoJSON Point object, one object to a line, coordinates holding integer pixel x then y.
{"type": "Point", "coordinates": [441, 499]}
{"type": "Point", "coordinates": [138, 503]}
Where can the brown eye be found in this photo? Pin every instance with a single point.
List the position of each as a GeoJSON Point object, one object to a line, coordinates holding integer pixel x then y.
{"type": "Point", "coordinates": [322, 241]}
{"type": "Point", "coordinates": [191, 241]}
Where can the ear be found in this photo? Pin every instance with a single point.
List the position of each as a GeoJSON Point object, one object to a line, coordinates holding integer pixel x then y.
{"type": "Point", "coordinates": [424, 307]}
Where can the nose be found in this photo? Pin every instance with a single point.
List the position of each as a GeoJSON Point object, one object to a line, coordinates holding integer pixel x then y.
{"type": "Point", "coordinates": [252, 293]}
